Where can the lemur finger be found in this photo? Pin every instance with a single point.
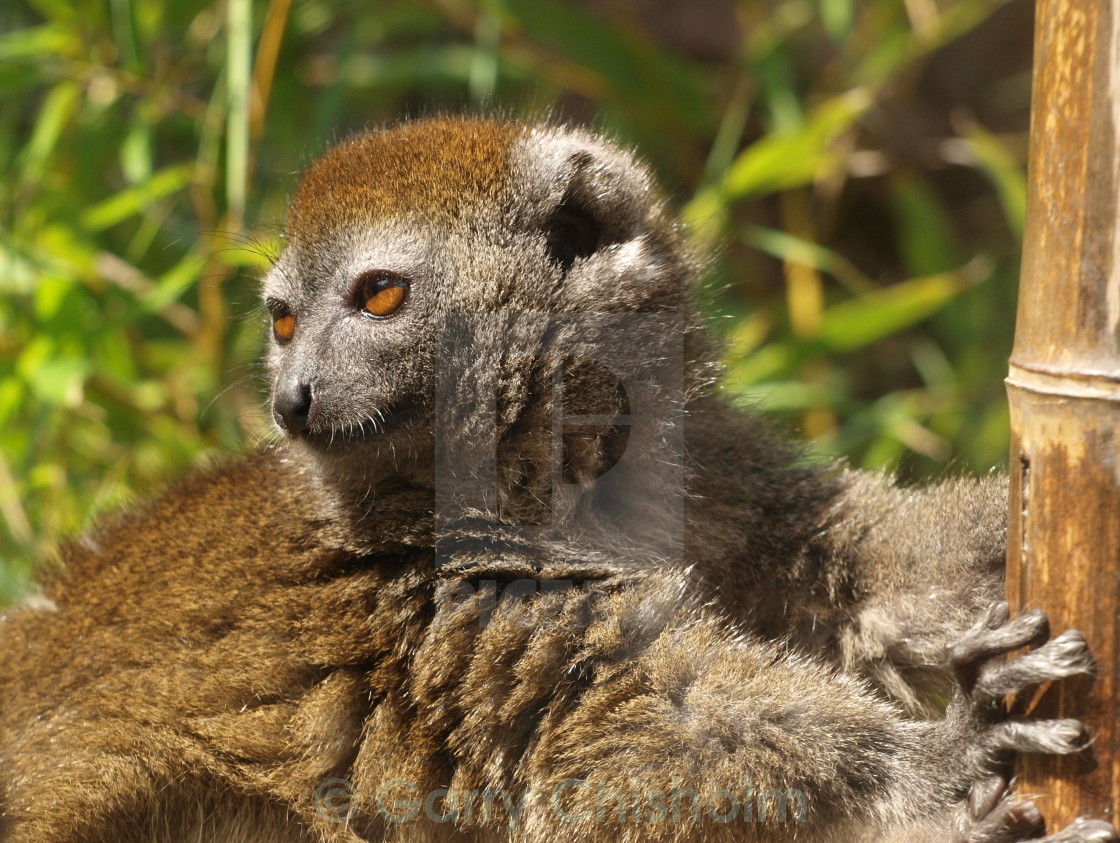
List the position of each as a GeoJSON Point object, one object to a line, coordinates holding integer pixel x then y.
{"type": "Point", "coordinates": [1066, 655]}
{"type": "Point", "coordinates": [1082, 830]}
{"type": "Point", "coordinates": [1008, 822]}
{"type": "Point", "coordinates": [985, 641]}
{"type": "Point", "coordinates": [1047, 737]}
{"type": "Point", "coordinates": [1012, 822]}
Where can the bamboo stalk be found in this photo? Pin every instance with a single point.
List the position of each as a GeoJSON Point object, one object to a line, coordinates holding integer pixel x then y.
{"type": "Point", "coordinates": [1064, 391]}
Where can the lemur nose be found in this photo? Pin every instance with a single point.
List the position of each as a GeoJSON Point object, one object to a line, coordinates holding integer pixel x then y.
{"type": "Point", "coordinates": [294, 406]}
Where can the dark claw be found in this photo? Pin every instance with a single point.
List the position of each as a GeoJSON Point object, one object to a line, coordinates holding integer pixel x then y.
{"type": "Point", "coordinates": [985, 795]}
{"type": "Point", "coordinates": [1024, 821]}
{"type": "Point", "coordinates": [1084, 831]}
{"type": "Point", "coordinates": [1006, 822]}
{"type": "Point", "coordinates": [998, 615]}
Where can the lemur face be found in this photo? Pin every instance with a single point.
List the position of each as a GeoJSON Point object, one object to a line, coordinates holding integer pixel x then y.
{"type": "Point", "coordinates": [392, 232]}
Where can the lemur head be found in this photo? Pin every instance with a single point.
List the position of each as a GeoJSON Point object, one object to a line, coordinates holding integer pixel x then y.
{"type": "Point", "coordinates": [394, 232]}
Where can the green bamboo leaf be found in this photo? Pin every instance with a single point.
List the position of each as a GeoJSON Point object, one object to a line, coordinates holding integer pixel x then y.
{"type": "Point", "coordinates": [924, 232]}
{"type": "Point", "coordinates": [779, 161]}
{"type": "Point", "coordinates": [897, 47]}
{"type": "Point", "coordinates": [705, 215]}
{"type": "Point", "coordinates": [749, 333]}
{"type": "Point", "coordinates": [788, 396]}
{"type": "Point", "coordinates": [124, 28]}
{"type": "Point", "coordinates": [173, 283]}
{"type": "Point", "coordinates": [36, 42]}
{"type": "Point", "coordinates": [63, 12]}
{"type": "Point", "coordinates": [482, 78]}
{"type": "Point", "coordinates": [12, 393]}
{"type": "Point", "coordinates": [56, 112]}
{"type": "Point", "coordinates": [17, 272]}
{"type": "Point", "coordinates": [52, 376]}
{"type": "Point", "coordinates": [864, 319]}
{"type": "Point", "coordinates": [258, 256]}
{"type": "Point", "coordinates": [136, 151]}
{"type": "Point", "coordinates": [789, 159]}
{"type": "Point", "coordinates": [793, 249]}
{"type": "Point", "coordinates": [133, 200]}
{"type": "Point", "coordinates": [1006, 173]}
{"type": "Point", "coordinates": [837, 17]}
{"type": "Point", "coordinates": [239, 21]}
{"type": "Point", "coordinates": [767, 363]}
{"type": "Point", "coordinates": [779, 88]}
{"type": "Point", "coordinates": [50, 295]}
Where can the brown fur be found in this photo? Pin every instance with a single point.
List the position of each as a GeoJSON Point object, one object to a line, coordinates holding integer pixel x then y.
{"type": "Point", "coordinates": [270, 656]}
{"type": "Point", "coordinates": [429, 169]}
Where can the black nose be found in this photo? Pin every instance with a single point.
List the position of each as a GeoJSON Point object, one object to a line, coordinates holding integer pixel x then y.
{"type": "Point", "coordinates": [294, 406]}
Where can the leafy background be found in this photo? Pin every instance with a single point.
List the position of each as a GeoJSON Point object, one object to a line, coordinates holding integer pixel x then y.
{"type": "Point", "coordinates": [854, 167]}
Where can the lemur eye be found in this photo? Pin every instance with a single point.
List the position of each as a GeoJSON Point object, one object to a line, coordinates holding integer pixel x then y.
{"type": "Point", "coordinates": [283, 320]}
{"type": "Point", "coordinates": [571, 232]}
{"type": "Point", "coordinates": [380, 293]}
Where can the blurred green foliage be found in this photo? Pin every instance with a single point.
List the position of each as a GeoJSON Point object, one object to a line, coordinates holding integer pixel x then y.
{"type": "Point", "coordinates": [864, 249]}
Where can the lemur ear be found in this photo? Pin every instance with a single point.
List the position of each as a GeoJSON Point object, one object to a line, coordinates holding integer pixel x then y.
{"type": "Point", "coordinates": [599, 196]}
{"type": "Point", "coordinates": [571, 232]}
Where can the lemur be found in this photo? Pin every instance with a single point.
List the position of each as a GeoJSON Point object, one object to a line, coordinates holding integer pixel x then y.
{"type": "Point", "coordinates": [517, 569]}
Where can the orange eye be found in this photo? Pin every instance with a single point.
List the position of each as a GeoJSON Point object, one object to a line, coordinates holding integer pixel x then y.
{"type": "Point", "coordinates": [285, 327]}
{"type": "Point", "coordinates": [283, 320]}
{"type": "Point", "coordinates": [381, 294]}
